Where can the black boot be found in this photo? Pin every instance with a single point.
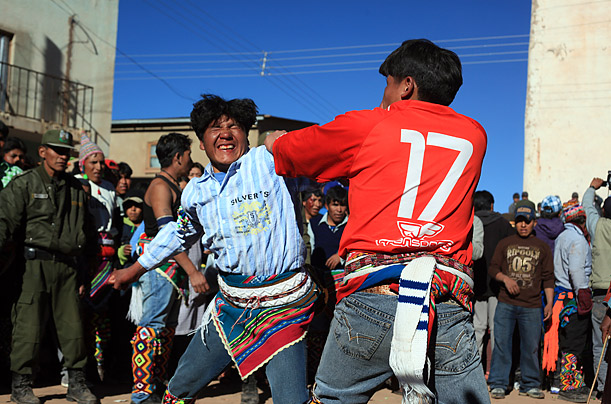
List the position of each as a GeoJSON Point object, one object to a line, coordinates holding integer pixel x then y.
{"type": "Point", "coordinates": [21, 390]}
{"type": "Point", "coordinates": [250, 394]}
{"type": "Point", "coordinates": [77, 388]}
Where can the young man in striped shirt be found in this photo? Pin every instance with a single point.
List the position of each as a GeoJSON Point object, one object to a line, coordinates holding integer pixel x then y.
{"type": "Point", "coordinates": [246, 215]}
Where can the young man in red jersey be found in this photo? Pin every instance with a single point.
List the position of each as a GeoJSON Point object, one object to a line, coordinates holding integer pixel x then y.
{"type": "Point", "coordinates": [422, 161]}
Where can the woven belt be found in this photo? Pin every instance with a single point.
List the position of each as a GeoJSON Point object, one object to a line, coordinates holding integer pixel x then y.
{"type": "Point", "coordinates": [380, 290]}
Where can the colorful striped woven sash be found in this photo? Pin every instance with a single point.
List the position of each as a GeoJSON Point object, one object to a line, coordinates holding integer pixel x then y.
{"type": "Point", "coordinates": [257, 318]}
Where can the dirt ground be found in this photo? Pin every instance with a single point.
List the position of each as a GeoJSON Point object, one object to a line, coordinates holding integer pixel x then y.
{"type": "Point", "coordinates": [218, 393]}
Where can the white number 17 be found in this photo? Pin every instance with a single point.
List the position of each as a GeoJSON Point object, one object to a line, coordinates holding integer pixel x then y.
{"type": "Point", "coordinates": [414, 171]}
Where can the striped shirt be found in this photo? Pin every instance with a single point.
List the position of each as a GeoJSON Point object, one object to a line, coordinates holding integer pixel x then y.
{"type": "Point", "coordinates": [248, 220]}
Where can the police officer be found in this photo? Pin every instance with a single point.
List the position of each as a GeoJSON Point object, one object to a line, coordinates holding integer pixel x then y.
{"type": "Point", "coordinates": [46, 208]}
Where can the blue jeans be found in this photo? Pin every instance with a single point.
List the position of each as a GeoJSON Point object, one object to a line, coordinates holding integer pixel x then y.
{"type": "Point", "coordinates": [160, 305]}
{"type": "Point", "coordinates": [201, 363]}
{"type": "Point", "coordinates": [529, 324]}
{"type": "Point", "coordinates": [355, 359]}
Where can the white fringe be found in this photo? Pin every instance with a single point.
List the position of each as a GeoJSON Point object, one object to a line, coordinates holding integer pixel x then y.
{"type": "Point", "coordinates": [135, 312]}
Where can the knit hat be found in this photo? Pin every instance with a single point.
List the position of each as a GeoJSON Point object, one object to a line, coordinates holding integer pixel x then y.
{"type": "Point", "coordinates": [551, 204]}
{"type": "Point", "coordinates": [571, 210]}
{"type": "Point", "coordinates": [87, 149]}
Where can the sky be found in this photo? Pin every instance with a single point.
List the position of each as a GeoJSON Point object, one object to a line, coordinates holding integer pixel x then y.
{"type": "Point", "coordinates": [315, 60]}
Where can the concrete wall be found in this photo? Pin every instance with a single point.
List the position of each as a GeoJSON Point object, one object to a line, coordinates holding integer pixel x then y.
{"type": "Point", "coordinates": [41, 30]}
{"type": "Point", "coordinates": [568, 107]}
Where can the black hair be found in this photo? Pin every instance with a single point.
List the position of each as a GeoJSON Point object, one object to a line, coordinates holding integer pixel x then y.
{"type": "Point", "coordinates": [437, 71]}
{"type": "Point", "coordinates": [337, 194]}
{"type": "Point", "coordinates": [305, 195]}
{"type": "Point", "coordinates": [125, 169]}
{"type": "Point", "coordinates": [211, 107]}
{"type": "Point", "coordinates": [12, 143]}
{"type": "Point", "coordinates": [482, 200]}
{"type": "Point", "coordinates": [577, 220]}
{"type": "Point", "coordinates": [170, 144]}
{"type": "Point", "coordinates": [198, 165]}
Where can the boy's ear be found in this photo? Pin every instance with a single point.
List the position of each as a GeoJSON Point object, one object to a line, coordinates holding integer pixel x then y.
{"type": "Point", "coordinates": [201, 145]}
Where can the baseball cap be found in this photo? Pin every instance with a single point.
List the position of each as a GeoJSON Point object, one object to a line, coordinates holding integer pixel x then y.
{"type": "Point", "coordinates": [134, 196]}
{"type": "Point", "coordinates": [526, 212]}
{"type": "Point", "coordinates": [551, 204]}
{"type": "Point", "coordinates": [58, 138]}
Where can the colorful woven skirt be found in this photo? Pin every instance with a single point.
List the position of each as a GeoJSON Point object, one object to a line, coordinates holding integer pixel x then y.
{"type": "Point", "coordinates": [258, 318]}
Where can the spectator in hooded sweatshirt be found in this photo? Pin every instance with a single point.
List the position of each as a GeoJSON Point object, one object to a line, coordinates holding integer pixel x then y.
{"type": "Point", "coordinates": [486, 289]}
{"type": "Point", "coordinates": [549, 225]}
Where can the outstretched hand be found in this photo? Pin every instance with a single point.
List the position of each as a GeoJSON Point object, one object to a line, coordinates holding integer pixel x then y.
{"type": "Point", "coordinates": [122, 278]}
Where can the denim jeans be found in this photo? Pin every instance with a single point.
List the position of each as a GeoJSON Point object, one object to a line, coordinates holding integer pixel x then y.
{"type": "Point", "coordinates": [355, 358]}
{"type": "Point", "coordinates": [201, 363]}
{"type": "Point", "coordinates": [598, 314]}
{"type": "Point", "coordinates": [160, 305]}
{"type": "Point", "coordinates": [529, 324]}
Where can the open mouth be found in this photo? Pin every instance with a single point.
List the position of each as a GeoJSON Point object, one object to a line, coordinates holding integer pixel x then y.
{"type": "Point", "coordinates": [226, 147]}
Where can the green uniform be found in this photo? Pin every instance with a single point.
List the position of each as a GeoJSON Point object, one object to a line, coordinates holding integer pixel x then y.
{"type": "Point", "coordinates": [49, 215]}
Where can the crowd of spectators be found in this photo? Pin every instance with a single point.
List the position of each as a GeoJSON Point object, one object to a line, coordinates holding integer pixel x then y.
{"type": "Point", "coordinates": [542, 272]}
{"type": "Point", "coordinates": [541, 292]}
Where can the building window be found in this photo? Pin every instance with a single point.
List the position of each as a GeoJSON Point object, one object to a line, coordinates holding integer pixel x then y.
{"type": "Point", "coordinates": [5, 43]}
{"type": "Point", "coordinates": [153, 161]}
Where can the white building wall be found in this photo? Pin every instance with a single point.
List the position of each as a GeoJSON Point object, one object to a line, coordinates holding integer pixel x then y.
{"type": "Point", "coordinates": [41, 30]}
{"type": "Point", "coordinates": [568, 106]}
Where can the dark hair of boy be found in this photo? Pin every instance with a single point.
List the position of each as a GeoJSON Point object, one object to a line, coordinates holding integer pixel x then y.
{"type": "Point", "coordinates": [13, 143]}
{"type": "Point", "coordinates": [211, 107]}
{"type": "Point", "coordinates": [337, 194]}
{"type": "Point", "coordinates": [482, 200]}
{"type": "Point", "coordinates": [125, 169]}
{"type": "Point", "coordinates": [437, 71]}
{"type": "Point", "coordinates": [198, 165]}
{"type": "Point", "coordinates": [305, 195]}
{"type": "Point", "coordinates": [169, 145]}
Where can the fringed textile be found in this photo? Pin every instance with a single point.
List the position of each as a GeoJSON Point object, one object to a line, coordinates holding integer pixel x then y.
{"type": "Point", "coordinates": [563, 301]}
{"type": "Point", "coordinates": [257, 318]}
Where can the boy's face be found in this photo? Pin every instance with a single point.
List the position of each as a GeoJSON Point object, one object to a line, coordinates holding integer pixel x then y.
{"type": "Point", "coordinates": [336, 212]}
{"type": "Point", "coordinates": [524, 226]}
{"type": "Point", "coordinates": [134, 213]}
{"type": "Point", "coordinates": [123, 184]}
{"type": "Point", "coordinates": [312, 205]}
{"type": "Point", "coordinates": [224, 142]}
{"type": "Point", "coordinates": [15, 157]}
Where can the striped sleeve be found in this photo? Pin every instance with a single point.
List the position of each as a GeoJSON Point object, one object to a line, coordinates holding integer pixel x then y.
{"type": "Point", "coordinates": [175, 237]}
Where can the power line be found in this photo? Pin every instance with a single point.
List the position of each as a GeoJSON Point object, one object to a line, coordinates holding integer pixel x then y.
{"type": "Point", "coordinates": [305, 72]}
{"type": "Point", "coordinates": [207, 38]}
{"type": "Point", "coordinates": [116, 49]}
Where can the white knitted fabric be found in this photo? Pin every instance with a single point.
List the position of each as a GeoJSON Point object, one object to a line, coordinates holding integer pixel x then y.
{"type": "Point", "coordinates": [408, 350]}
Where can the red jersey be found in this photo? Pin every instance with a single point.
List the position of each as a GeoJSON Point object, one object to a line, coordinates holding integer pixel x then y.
{"type": "Point", "coordinates": [413, 169]}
